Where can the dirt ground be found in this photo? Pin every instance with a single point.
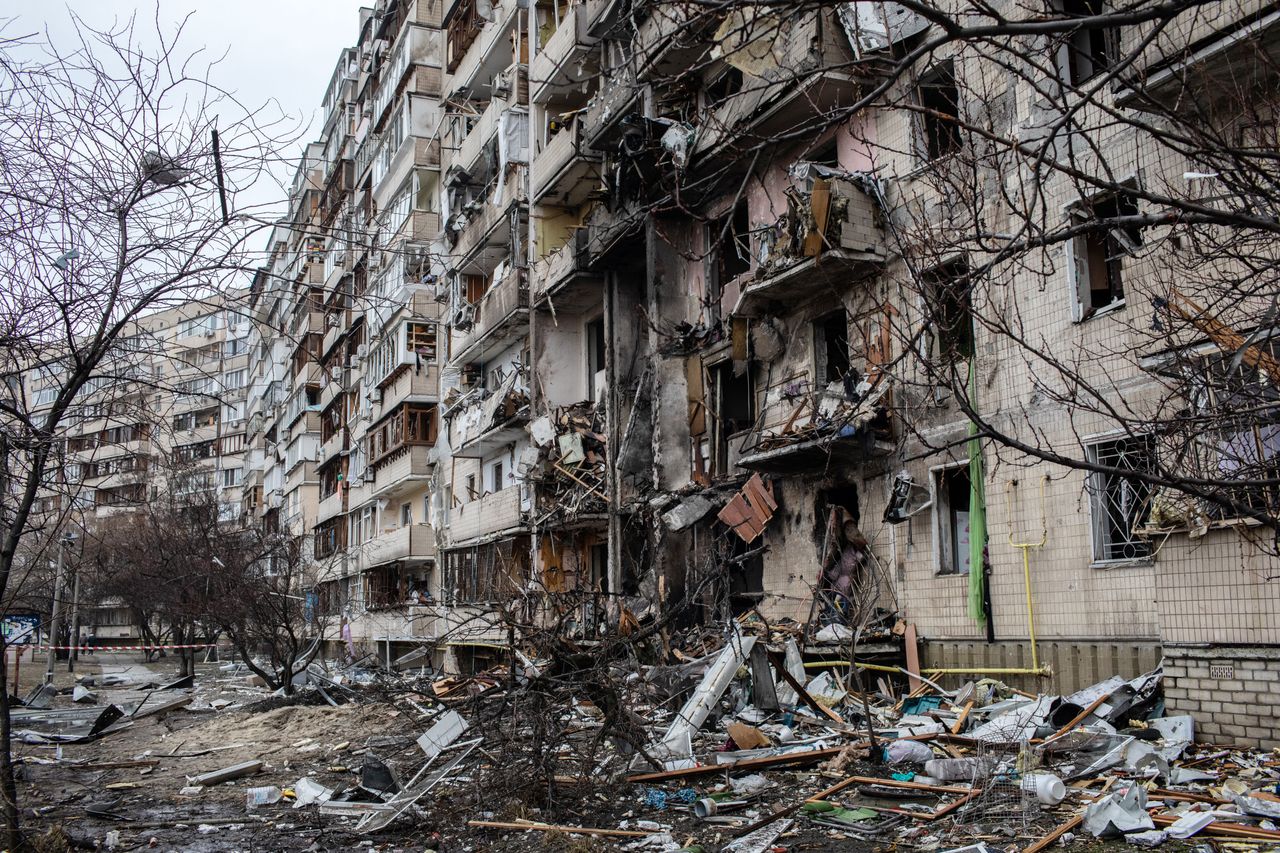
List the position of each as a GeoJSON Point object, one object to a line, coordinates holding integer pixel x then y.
{"type": "Point", "coordinates": [130, 788]}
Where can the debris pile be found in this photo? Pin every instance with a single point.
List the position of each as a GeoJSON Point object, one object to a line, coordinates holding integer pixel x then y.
{"type": "Point", "coordinates": [743, 742]}
{"type": "Point", "coordinates": [570, 462]}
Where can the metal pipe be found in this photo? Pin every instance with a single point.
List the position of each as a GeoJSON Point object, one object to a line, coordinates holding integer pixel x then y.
{"type": "Point", "coordinates": [55, 618]}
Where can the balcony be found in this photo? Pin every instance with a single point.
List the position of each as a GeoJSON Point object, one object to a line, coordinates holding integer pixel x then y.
{"type": "Point", "coordinates": [488, 225]}
{"type": "Point", "coordinates": [489, 515]}
{"type": "Point", "coordinates": [413, 542]}
{"type": "Point", "coordinates": [566, 170]}
{"type": "Point", "coordinates": [473, 144]}
{"type": "Point", "coordinates": [414, 152]}
{"type": "Point", "coordinates": [481, 424]}
{"type": "Point", "coordinates": [557, 69]}
{"type": "Point", "coordinates": [1199, 55]}
{"type": "Point", "coordinates": [409, 468]}
{"type": "Point", "coordinates": [416, 384]}
{"type": "Point", "coordinates": [501, 315]}
{"type": "Point", "coordinates": [847, 247]}
{"type": "Point", "coordinates": [615, 98]}
{"type": "Point", "coordinates": [607, 231]}
{"type": "Point", "coordinates": [672, 37]}
{"type": "Point", "coordinates": [486, 54]}
{"type": "Point", "coordinates": [308, 322]}
{"type": "Point", "coordinates": [420, 226]}
{"type": "Point", "coordinates": [561, 279]}
{"type": "Point", "coordinates": [331, 507]}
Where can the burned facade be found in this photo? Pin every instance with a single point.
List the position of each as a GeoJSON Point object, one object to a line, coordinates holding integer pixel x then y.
{"type": "Point", "coordinates": [607, 310]}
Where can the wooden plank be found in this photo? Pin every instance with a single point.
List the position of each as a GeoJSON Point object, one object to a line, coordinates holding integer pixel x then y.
{"type": "Point", "coordinates": [1058, 832]}
{"type": "Point", "coordinates": [964, 715]}
{"type": "Point", "coordinates": [780, 667]}
{"type": "Point", "coordinates": [812, 756]}
{"type": "Point", "coordinates": [549, 827]}
{"type": "Point", "coordinates": [1079, 718]}
{"type": "Point", "coordinates": [912, 646]}
{"type": "Point", "coordinates": [820, 206]}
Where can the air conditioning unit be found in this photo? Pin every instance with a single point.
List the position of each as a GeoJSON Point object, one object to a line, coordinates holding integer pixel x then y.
{"type": "Point", "coordinates": [362, 352]}
{"type": "Point", "coordinates": [321, 454]}
{"type": "Point", "coordinates": [335, 373]}
{"type": "Point", "coordinates": [375, 395]}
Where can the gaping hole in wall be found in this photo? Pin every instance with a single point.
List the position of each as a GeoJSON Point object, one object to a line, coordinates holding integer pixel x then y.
{"type": "Point", "coordinates": [746, 575]}
{"type": "Point", "coordinates": [948, 300]}
{"type": "Point", "coordinates": [734, 414]}
{"type": "Point", "coordinates": [842, 551]}
{"type": "Point", "coordinates": [831, 348]}
{"type": "Point", "coordinates": [729, 246]}
{"type": "Point", "coordinates": [940, 101]}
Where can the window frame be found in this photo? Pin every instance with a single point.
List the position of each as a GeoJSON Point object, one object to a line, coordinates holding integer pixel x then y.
{"type": "Point", "coordinates": [1095, 485]}
{"type": "Point", "coordinates": [938, 501]}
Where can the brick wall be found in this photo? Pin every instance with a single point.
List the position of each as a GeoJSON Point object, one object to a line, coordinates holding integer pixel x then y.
{"type": "Point", "coordinates": [1230, 690]}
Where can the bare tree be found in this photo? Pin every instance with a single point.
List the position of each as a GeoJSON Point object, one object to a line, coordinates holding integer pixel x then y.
{"type": "Point", "coordinates": [117, 191]}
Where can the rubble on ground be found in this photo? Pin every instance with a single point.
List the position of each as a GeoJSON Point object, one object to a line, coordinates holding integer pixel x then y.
{"type": "Point", "coordinates": [733, 742]}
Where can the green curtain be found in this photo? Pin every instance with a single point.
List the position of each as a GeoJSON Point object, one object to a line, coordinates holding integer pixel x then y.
{"type": "Point", "coordinates": [977, 510]}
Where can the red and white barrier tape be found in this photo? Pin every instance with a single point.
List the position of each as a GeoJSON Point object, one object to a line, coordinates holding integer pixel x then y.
{"type": "Point", "coordinates": [120, 648]}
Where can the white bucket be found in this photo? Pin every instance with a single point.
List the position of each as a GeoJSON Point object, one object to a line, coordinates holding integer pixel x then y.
{"type": "Point", "coordinates": [1049, 789]}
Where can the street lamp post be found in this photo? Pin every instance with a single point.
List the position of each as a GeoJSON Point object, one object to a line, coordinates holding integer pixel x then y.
{"type": "Point", "coordinates": [55, 617]}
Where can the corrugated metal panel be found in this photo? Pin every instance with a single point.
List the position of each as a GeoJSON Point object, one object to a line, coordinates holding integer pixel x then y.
{"type": "Point", "coordinates": [1075, 664]}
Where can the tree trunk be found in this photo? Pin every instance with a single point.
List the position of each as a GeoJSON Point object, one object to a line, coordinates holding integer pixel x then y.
{"type": "Point", "coordinates": [8, 787]}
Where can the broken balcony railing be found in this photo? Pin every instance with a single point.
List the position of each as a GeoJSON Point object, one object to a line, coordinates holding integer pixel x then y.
{"type": "Point", "coordinates": [804, 429]}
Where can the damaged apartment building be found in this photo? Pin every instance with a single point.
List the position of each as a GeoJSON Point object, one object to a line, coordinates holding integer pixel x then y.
{"type": "Point", "coordinates": [587, 312]}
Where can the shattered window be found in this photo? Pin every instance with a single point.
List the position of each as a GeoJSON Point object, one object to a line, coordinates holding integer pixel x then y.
{"type": "Point", "coordinates": [948, 301]}
{"type": "Point", "coordinates": [1097, 258]}
{"type": "Point", "coordinates": [1088, 51]}
{"type": "Point", "coordinates": [1118, 504]}
{"type": "Point", "coordinates": [940, 103]}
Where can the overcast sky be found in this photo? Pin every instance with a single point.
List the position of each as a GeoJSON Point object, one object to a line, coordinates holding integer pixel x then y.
{"type": "Point", "coordinates": [275, 49]}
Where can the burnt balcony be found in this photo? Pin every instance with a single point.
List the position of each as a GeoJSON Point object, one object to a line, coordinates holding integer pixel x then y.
{"type": "Point", "coordinates": [499, 316]}
{"type": "Point", "coordinates": [847, 245]}
{"type": "Point", "coordinates": [559, 68]}
{"type": "Point", "coordinates": [604, 17]}
{"type": "Point", "coordinates": [488, 515]}
{"type": "Point", "coordinates": [609, 230]}
{"type": "Point", "coordinates": [672, 37]}
{"type": "Point", "coordinates": [818, 431]}
{"type": "Point", "coordinates": [561, 278]}
{"type": "Point", "coordinates": [566, 170]}
{"type": "Point", "coordinates": [802, 87]}
{"type": "Point", "coordinates": [615, 98]}
{"type": "Point", "coordinates": [410, 543]}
